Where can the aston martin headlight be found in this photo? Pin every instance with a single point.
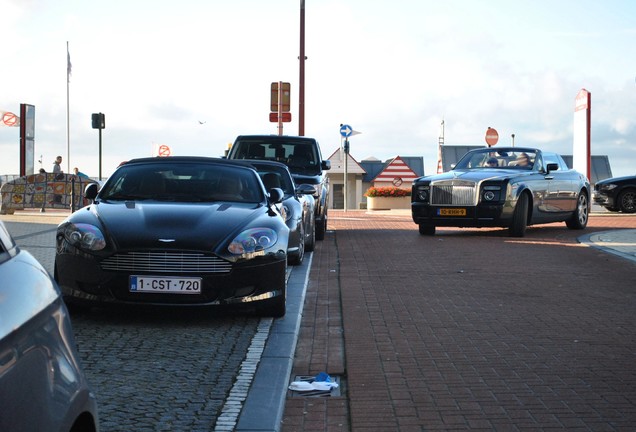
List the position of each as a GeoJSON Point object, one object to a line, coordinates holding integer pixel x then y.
{"type": "Point", "coordinates": [85, 236]}
{"type": "Point", "coordinates": [253, 240]}
{"type": "Point", "coordinates": [607, 187]}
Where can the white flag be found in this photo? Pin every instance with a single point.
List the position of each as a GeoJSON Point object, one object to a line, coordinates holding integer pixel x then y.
{"type": "Point", "coordinates": [9, 119]}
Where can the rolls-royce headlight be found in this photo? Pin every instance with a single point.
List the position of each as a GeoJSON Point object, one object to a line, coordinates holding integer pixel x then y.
{"type": "Point", "coordinates": [422, 193]}
{"type": "Point", "coordinates": [253, 240]}
{"type": "Point", "coordinates": [491, 193]}
{"type": "Point", "coordinates": [85, 236]}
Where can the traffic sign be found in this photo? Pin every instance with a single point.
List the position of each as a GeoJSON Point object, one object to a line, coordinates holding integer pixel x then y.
{"type": "Point", "coordinates": [163, 150]}
{"type": "Point", "coordinates": [10, 119]}
{"type": "Point", "coordinates": [345, 130]}
{"type": "Point", "coordinates": [286, 117]}
{"type": "Point", "coordinates": [492, 136]}
{"type": "Point", "coordinates": [284, 99]}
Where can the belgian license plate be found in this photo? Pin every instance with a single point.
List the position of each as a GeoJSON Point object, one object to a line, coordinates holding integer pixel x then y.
{"type": "Point", "coordinates": [172, 285]}
{"type": "Point", "coordinates": [451, 212]}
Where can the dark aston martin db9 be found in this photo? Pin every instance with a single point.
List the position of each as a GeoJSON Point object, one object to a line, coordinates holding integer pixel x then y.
{"type": "Point", "coordinates": [188, 231]}
{"type": "Point", "coordinates": [509, 187]}
{"type": "Point", "coordinates": [298, 205]}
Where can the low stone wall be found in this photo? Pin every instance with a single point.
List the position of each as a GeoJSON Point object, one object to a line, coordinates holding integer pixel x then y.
{"type": "Point", "coordinates": [388, 203]}
{"type": "Point", "coordinates": [41, 191]}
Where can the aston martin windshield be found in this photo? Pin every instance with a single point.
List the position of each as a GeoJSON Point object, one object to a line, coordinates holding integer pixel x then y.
{"type": "Point", "coordinates": [182, 182]}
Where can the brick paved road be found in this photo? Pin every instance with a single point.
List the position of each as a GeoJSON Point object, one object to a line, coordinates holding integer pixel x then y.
{"type": "Point", "coordinates": [469, 329]}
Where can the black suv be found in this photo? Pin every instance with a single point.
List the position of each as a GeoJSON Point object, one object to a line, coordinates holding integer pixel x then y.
{"type": "Point", "coordinates": [303, 158]}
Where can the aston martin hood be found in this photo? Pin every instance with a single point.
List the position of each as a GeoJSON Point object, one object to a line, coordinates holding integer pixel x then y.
{"type": "Point", "coordinates": [134, 225]}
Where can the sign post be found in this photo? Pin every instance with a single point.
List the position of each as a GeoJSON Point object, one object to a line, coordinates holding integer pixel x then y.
{"type": "Point", "coordinates": [99, 122]}
{"type": "Point", "coordinates": [280, 104]}
{"type": "Point", "coordinates": [581, 155]}
{"type": "Point", "coordinates": [27, 139]}
{"type": "Point", "coordinates": [345, 131]}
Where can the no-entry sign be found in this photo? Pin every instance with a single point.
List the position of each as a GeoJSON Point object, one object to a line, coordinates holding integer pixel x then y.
{"type": "Point", "coordinates": [492, 136]}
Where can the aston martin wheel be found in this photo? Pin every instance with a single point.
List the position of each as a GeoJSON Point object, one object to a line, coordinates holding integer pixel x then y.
{"type": "Point", "coordinates": [321, 227]}
{"type": "Point", "coordinates": [520, 217]}
{"type": "Point", "coordinates": [299, 256]}
{"type": "Point", "coordinates": [581, 213]}
{"type": "Point", "coordinates": [310, 243]}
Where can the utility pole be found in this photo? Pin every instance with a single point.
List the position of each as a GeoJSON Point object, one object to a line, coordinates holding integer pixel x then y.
{"type": "Point", "coordinates": [301, 80]}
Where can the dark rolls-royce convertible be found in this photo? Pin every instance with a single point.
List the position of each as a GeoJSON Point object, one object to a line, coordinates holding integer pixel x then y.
{"type": "Point", "coordinates": [187, 231]}
{"type": "Point", "coordinates": [508, 187]}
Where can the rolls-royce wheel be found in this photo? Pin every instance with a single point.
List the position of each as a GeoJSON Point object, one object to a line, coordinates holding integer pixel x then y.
{"type": "Point", "coordinates": [520, 217]}
{"type": "Point", "coordinates": [581, 213]}
{"type": "Point", "coordinates": [427, 229]}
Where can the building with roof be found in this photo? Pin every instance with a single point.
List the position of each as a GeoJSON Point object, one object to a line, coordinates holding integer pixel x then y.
{"type": "Point", "coordinates": [399, 171]}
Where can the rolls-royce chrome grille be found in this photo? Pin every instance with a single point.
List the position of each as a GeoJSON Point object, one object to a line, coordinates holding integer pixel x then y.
{"type": "Point", "coordinates": [166, 262]}
{"type": "Point", "coordinates": [453, 193]}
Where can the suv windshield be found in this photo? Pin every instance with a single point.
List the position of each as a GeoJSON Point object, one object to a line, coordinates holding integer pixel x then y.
{"type": "Point", "coordinates": [299, 155]}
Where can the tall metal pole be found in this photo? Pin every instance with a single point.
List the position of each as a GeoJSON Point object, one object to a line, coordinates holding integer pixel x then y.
{"type": "Point", "coordinates": [301, 80]}
{"type": "Point", "coordinates": [346, 174]}
{"type": "Point", "coordinates": [68, 121]}
{"type": "Point", "coordinates": [280, 108]}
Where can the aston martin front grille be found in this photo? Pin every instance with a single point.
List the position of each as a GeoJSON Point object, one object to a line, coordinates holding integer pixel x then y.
{"type": "Point", "coordinates": [453, 194]}
{"type": "Point", "coordinates": [166, 262]}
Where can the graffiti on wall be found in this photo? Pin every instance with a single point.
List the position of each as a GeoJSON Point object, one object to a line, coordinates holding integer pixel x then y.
{"type": "Point", "coordinates": [45, 190]}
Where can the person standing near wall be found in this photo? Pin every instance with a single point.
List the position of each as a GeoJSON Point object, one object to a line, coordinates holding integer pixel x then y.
{"type": "Point", "coordinates": [56, 165]}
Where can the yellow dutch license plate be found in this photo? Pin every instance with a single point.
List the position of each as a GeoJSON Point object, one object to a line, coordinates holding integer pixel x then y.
{"type": "Point", "coordinates": [451, 212]}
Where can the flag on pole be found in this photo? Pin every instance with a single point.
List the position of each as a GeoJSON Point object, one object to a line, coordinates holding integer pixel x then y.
{"type": "Point", "coordinates": [9, 119]}
{"type": "Point", "coordinates": [69, 66]}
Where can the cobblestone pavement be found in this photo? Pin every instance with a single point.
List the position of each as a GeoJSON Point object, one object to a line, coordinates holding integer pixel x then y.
{"type": "Point", "coordinates": [468, 329]}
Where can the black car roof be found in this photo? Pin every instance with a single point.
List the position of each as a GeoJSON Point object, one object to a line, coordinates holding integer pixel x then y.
{"type": "Point", "coordinates": [178, 159]}
{"type": "Point", "coordinates": [276, 137]}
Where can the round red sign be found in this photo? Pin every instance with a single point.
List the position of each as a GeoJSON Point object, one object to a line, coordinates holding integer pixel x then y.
{"type": "Point", "coordinates": [164, 150]}
{"type": "Point", "coordinates": [10, 119]}
{"type": "Point", "coordinates": [491, 136]}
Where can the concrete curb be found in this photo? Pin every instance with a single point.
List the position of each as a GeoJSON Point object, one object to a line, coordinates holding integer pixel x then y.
{"type": "Point", "coordinates": [620, 242]}
{"type": "Point", "coordinates": [265, 404]}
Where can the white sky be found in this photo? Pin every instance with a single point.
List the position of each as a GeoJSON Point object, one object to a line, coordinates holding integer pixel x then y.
{"type": "Point", "coordinates": [390, 69]}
